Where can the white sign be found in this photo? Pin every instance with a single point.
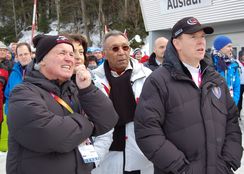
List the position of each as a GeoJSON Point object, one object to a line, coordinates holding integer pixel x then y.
{"type": "Point", "coordinates": [170, 6]}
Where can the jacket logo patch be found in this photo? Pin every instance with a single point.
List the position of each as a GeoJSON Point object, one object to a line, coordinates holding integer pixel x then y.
{"type": "Point", "coordinates": [217, 92]}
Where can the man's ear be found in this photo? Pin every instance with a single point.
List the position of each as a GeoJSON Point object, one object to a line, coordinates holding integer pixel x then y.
{"type": "Point", "coordinates": [42, 63]}
{"type": "Point", "coordinates": [176, 43]}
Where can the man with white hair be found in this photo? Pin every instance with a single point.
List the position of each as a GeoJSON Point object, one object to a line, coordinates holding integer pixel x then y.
{"type": "Point", "coordinates": [51, 119]}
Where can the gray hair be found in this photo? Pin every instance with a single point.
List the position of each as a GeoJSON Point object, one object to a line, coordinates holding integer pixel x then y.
{"type": "Point", "coordinates": [112, 33]}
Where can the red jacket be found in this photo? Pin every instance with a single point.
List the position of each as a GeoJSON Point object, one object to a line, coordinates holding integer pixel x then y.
{"type": "Point", "coordinates": [3, 81]}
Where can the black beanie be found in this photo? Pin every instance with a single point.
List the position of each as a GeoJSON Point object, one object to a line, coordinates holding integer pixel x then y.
{"type": "Point", "coordinates": [44, 43]}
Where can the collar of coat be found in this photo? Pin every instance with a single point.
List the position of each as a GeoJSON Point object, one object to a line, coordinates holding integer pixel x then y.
{"type": "Point", "coordinates": [38, 79]}
{"type": "Point", "coordinates": [138, 71]}
{"type": "Point", "coordinates": [179, 71]}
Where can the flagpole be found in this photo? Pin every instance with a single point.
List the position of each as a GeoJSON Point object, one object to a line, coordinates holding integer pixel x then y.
{"type": "Point", "coordinates": [33, 20]}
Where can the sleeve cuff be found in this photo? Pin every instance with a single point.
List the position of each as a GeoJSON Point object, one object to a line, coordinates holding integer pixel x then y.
{"type": "Point", "coordinates": [87, 90]}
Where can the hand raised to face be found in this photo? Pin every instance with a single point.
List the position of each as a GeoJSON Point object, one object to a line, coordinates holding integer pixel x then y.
{"type": "Point", "coordinates": [83, 77]}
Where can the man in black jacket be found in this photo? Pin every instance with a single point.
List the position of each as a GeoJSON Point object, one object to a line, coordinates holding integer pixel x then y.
{"type": "Point", "coordinates": [186, 122]}
{"type": "Point", "coordinates": [49, 116]}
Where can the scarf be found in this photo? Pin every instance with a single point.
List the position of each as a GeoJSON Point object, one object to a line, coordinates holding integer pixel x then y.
{"type": "Point", "coordinates": [123, 99]}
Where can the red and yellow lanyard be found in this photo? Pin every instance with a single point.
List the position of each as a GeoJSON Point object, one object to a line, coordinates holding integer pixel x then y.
{"type": "Point", "coordinates": [62, 102]}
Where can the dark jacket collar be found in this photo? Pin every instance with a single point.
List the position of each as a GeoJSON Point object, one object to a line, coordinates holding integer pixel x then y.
{"type": "Point", "coordinates": [178, 70]}
{"type": "Point", "coordinates": [38, 79]}
{"type": "Point", "coordinates": [152, 60]}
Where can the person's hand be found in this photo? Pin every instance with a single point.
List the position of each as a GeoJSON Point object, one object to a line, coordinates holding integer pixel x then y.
{"type": "Point", "coordinates": [83, 77]}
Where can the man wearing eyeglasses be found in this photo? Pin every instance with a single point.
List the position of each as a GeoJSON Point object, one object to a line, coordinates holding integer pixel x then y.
{"type": "Point", "coordinates": [121, 78]}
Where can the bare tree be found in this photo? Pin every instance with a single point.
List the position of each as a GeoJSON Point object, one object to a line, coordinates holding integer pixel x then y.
{"type": "Point", "coordinates": [57, 3]}
{"type": "Point", "coordinates": [23, 13]}
{"type": "Point", "coordinates": [126, 10]}
{"type": "Point", "coordinates": [15, 22]}
{"type": "Point", "coordinates": [101, 18]}
{"type": "Point", "coordinates": [135, 14]}
{"type": "Point", "coordinates": [84, 18]}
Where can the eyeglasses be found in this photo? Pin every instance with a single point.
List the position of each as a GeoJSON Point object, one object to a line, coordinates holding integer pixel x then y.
{"type": "Point", "coordinates": [116, 48]}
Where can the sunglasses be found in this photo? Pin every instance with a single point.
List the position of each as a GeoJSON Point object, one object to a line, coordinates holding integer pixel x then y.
{"type": "Point", "coordinates": [116, 48]}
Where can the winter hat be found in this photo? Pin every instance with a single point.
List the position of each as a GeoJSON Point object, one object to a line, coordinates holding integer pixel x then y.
{"type": "Point", "coordinates": [97, 49]}
{"type": "Point", "coordinates": [3, 46]}
{"type": "Point", "coordinates": [189, 25]}
{"type": "Point", "coordinates": [44, 43]}
{"type": "Point", "coordinates": [136, 51]}
{"type": "Point", "coordinates": [220, 42]}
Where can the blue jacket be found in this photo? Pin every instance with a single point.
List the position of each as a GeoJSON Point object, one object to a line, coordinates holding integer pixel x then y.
{"type": "Point", "coordinates": [99, 62]}
{"type": "Point", "coordinates": [231, 75]}
{"type": "Point", "coordinates": [15, 78]}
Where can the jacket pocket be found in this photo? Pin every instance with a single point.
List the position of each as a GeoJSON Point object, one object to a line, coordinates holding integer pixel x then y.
{"type": "Point", "coordinates": [219, 106]}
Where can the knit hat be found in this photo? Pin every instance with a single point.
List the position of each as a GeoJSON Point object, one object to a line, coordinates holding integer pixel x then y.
{"type": "Point", "coordinates": [220, 42]}
{"type": "Point", "coordinates": [189, 25]}
{"type": "Point", "coordinates": [3, 46]}
{"type": "Point", "coordinates": [44, 43]}
{"type": "Point", "coordinates": [97, 49]}
{"type": "Point", "coordinates": [136, 51]}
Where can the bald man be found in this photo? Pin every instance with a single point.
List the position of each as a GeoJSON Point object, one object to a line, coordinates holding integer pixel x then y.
{"type": "Point", "coordinates": [156, 58]}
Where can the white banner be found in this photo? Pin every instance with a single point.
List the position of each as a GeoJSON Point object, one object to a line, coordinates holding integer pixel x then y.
{"type": "Point", "coordinates": [170, 6]}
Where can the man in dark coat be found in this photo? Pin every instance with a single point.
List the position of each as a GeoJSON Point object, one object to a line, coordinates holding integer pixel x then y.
{"type": "Point", "coordinates": [156, 58]}
{"type": "Point", "coordinates": [49, 116]}
{"type": "Point", "coordinates": [186, 122]}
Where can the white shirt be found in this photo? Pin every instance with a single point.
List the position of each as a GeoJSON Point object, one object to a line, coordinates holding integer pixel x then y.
{"type": "Point", "coordinates": [195, 73]}
{"type": "Point", "coordinates": [115, 74]}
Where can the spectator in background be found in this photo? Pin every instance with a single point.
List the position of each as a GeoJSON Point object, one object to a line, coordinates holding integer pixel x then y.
{"type": "Point", "coordinates": [80, 46]}
{"type": "Point", "coordinates": [13, 46]}
{"type": "Point", "coordinates": [241, 65]}
{"type": "Point", "coordinates": [121, 78]}
{"type": "Point", "coordinates": [226, 65]}
{"type": "Point", "coordinates": [23, 57]}
{"type": "Point", "coordinates": [156, 58]}
{"type": "Point", "coordinates": [92, 62]}
{"type": "Point", "coordinates": [99, 55]}
{"type": "Point", "coordinates": [4, 62]}
{"type": "Point", "coordinates": [5, 68]}
{"type": "Point", "coordinates": [137, 54]}
{"type": "Point", "coordinates": [186, 121]}
{"type": "Point", "coordinates": [9, 54]}
{"type": "Point", "coordinates": [46, 116]}
{"type": "Point", "coordinates": [89, 51]}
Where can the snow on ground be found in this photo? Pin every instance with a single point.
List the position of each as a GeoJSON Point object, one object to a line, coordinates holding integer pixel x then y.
{"type": "Point", "coordinates": [2, 163]}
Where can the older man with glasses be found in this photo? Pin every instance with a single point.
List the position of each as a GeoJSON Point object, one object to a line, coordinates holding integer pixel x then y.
{"type": "Point", "coordinates": [121, 78]}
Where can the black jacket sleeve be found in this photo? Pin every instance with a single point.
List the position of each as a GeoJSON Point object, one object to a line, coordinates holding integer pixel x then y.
{"type": "Point", "coordinates": [35, 127]}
